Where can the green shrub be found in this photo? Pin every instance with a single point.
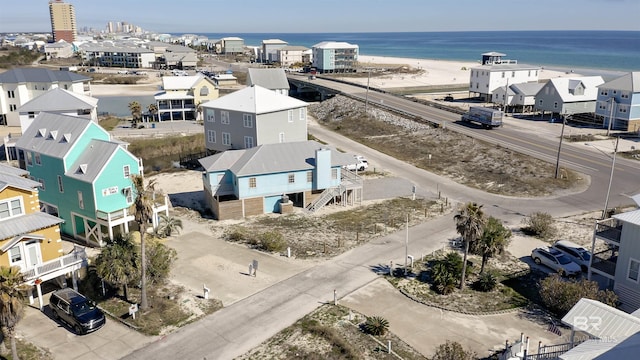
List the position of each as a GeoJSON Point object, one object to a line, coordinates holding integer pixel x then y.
{"type": "Point", "coordinates": [487, 282]}
{"type": "Point", "coordinates": [452, 351]}
{"type": "Point", "coordinates": [539, 224]}
{"type": "Point", "coordinates": [443, 280]}
{"type": "Point", "coordinates": [376, 325]}
{"type": "Point", "coordinates": [559, 296]}
{"type": "Point", "coordinates": [273, 241]}
{"type": "Point", "coordinates": [236, 235]}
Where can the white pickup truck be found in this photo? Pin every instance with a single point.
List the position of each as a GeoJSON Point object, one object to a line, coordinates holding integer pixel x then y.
{"type": "Point", "coordinates": [360, 164]}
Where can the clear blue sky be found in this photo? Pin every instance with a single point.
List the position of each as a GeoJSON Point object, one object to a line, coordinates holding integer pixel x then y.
{"type": "Point", "coordinates": [246, 16]}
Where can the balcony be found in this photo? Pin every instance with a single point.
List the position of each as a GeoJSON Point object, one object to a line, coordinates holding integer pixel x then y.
{"type": "Point", "coordinates": [56, 267]}
{"type": "Point", "coordinates": [605, 263]}
{"type": "Point", "coordinates": [609, 230]}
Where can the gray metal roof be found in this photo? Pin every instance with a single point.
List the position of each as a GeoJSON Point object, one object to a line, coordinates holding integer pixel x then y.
{"type": "Point", "coordinates": [16, 181]}
{"type": "Point", "coordinates": [526, 89]}
{"type": "Point", "coordinates": [605, 350]}
{"type": "Point", "coordinates": [255, 100]}
{"type": "Point", "coordinates": [26, 224]}
{"type": "Point", "coordinates": [271, 79]}
{"type": "Point", "coordinates": [12, 170]}
{"type": "Point", "coordinates": [273, 158]}
{"type": "Point", "coordinates": [59, 99]}
{"type": "Point", "coordinates": [53, 134]}
{"type": "Point", "coordinates": [629, 216]}
{"type": "Point", "coordinates": [602, 321]}
{"type": "Point", "coordinates": [93, 159]}
{"type": "Point", "coordinates": [628, 82]}
{"type": "Point", "coordinates": [38, 75]}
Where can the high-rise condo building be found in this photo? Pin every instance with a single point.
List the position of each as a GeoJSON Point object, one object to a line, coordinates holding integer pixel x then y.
{"type": "Point", "coordinates": [63, 21]}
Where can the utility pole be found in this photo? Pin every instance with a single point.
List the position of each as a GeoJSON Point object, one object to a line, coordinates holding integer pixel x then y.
{"type": "Point", "coordinates": [613, 166]}
{"type": "Point", "coordinates": [366, 96]}
{"type": "Point", "coordinates": [613, 102]}
{"type": "Point", "coordinates": [564, 121]}
{"type": "Point", "coordinates": [406, 247]}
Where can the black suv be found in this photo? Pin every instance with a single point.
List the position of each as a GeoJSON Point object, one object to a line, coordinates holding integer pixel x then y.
{"type": "Point", "coordinates": [76, 310]}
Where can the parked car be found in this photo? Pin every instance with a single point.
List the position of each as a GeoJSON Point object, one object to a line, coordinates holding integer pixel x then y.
{"type": "Point", "coordinates": [77, 311]}
{"type": "Point", "coordinates": [555, 260]}
{"type": "Point", "coordinates": [575, 252]}
{"type": "Point", "coordinates": [360, 164]}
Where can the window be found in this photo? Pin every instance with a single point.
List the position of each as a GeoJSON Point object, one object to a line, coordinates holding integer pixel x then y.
{"type": "Point", "coordinates": [226, 139]}
{"type": "Point", "coordinates": [252, 183]}
{"type": "Point", "coordinates": [292, 178]}
{"type": "Point", "coordinates": [248, 142]}
{"type": "Point", "coordinates": [281, 137]}
{"type": "Point", "coordinates": [29, 158]}
{"type": "Point", "coordinates": [11, 94]}
{"type": "Point", "coordinates": [247, 120]}
{"type": "Point", "coordinates": [624, 95]}
{"type": "Point", "coordinates": [80, 200]}
{"type": "Point", "coordinates": [555, 105]}
{"type": "Point", "coordinates": [634, 269]}
{"type": "Point", "coordinates": [10, 208]}
{"type": "Point", "coordinates": [12, 107]}
{"type": "Point", "coordinates": [211, 136]}
{"type": "Point", "coordinates": [309, 176]}
{"type": "Point", "coordinates": [204, 91]}
{"type": "Point", "coordinates": [38, 160]}
{"type": "Point", "coordinates": [211, 116]}
{"type": "Point", "coordinates": [15, 255]}
{"type": "Point", "coordinates": [290, 115]}
{"type": "Point", "coordinates": [126, 170]}
{"type": "Point", "coordinates": [31, 114]}
{"type": "Point", "coordinates": [128, 194]}
{"type": "Point", "coordinates": [303, 114]}
{"type": "Point", "coordinates": [60, 187]}
{"type": "Point", "coordinates": [334, 174]}
{"type": "Point", "coordinates": [224, 117]}
{"type": "Point", "coordinates": [41, 181]}
{"type": "Point", "coordinates": [503, 74]}
{"type": "Point", "coordinates": [529, 74]}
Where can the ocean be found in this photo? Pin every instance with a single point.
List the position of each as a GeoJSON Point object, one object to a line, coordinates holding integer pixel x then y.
{"type": "Point", "coordinates": [605, 50]}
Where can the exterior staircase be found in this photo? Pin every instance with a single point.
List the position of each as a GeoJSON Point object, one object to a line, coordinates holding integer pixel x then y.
{"type": "Point", "coordinates": [348, 181]}
{"type": "Point", "coordinates": [325, 197]}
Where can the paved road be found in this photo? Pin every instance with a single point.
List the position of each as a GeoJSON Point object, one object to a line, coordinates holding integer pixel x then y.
{"type": "Point", "coordinates": [238, 328]}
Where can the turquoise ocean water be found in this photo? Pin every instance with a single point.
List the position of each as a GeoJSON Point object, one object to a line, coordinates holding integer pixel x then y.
{"type": "Point", "coordinates": [610, 50]}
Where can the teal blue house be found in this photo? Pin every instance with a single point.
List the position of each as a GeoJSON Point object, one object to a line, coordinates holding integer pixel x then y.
{"type": "Point", "coordinates": [85, 176]}
{"type": "Point", "coordinates": [275, 177]}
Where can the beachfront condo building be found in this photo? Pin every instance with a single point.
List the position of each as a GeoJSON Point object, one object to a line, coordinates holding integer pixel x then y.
{"type": "Point", "coordinates": [497, 72]}
{"type": "Point", "coordinates": [269, 51]}
{"type": "Point", "coordinates": [63, 21]}
{"type": "Point", "coordinates": [290, 55]}
{"type": "Point", "coordinates": [618, 103]}
{"type": "Point", "coordinates": [335, 57]}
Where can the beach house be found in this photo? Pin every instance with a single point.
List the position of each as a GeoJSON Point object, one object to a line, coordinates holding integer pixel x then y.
{"type": "Point", "coordinates": [335, 57]}
{"type": "Point", "coordinates": [58, 101]}
{"type": "Point", "coordinates": [253, 116]}
{"type": "Point", "coordinates": [29, 238]}
{"type": "Point", "coordinates": [272, 79]}
{"type": "Point", "coordinates": [269, 50]}
{"type": "Point", "coordinates": [291, 54]}
{"type": "Point", "coordinates": [568, 96]}
{"type": "Point", "coordinates": [276, 177]}
{"type": "Point", "coordinates": [617, 264]}
{"type": "Point", "coordinates": [495, 72]}
{"type": "Point", "coordinates": [183, 95]}
{"type": "Point", "coordinates": [618, 103]}
{"type": "Point", "coordinates": [230, 45]}
{"type": "Point", "coordinates": [20, 85]}
{"type": "Point", "coordinates": [84, 176]}
{"type": "Point", "coordinates": [521, 97]}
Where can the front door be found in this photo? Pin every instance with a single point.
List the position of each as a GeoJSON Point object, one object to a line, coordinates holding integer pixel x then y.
{"type": "Point", "coordinates": [32, 250]}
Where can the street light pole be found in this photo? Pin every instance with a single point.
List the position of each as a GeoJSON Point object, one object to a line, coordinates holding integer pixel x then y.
{"type": "Point", "coordinates": [613, 166]}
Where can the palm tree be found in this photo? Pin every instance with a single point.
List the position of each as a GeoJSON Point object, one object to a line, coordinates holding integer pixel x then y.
{"type": "Point", "coordinates": [153, 110]}
{"type": "Point", "coordinates": [136, 112]}
{"type": "Point", "coordinates": [469, 224]}
{"type": "Point", "coordinates": [168, 225]}
{"type": "Point", "coordinates": [11, 302]}
{"type": "Point", "coordinates": [118, 263]}
{"type": "Point", "coordinates": [143, 208]}
{"type": "Point", "coordinates": [494, 239]}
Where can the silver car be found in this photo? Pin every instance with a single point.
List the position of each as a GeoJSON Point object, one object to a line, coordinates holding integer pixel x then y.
{"type": "Point", "coordinates": [556, 260]}
{"type": "Point", "coordinates": [575, 252]}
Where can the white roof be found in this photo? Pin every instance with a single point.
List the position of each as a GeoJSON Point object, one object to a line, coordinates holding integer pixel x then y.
{"type": "Point", "coordinates": [335, 45]}
{"type": "Point", "coordinates": [181, 82]}
{"type": "Point", "coordinates": [173, 95]}
{"type": "Point", "coordinates": [231, 38]}
{"type": "Point", "coordinates": [629, 216]}
{"type": "Point", "coordinates": [562, 86]}
{"type": "Point", "coordinates": [611, 323]}
{"type": "Point", "coordinates": [256, 100]}
{"type": "Point", "coordinates": [273, 42]}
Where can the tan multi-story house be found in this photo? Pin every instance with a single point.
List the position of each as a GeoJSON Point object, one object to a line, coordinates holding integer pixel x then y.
{"type": "Point", "coordinates": [63, 21]}
{"type": "Point", "coordinates": [182, 95]}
